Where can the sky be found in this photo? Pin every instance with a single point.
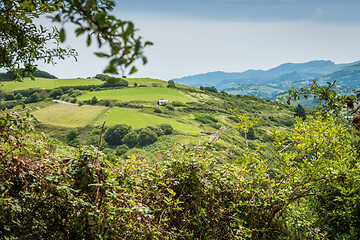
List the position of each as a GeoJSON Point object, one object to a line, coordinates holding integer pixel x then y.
{"type": "Point", "coordinates": [198, 36]}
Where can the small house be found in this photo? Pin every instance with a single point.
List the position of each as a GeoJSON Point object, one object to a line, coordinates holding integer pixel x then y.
{"type": "Point", "coordinates": [162, 101]}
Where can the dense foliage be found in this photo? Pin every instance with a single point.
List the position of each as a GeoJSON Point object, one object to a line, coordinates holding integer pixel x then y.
{"type": "Point", "coordinates": [23, 42]}
{"type": "Point", "coordinates": [308, 191]}
{"type": "Point", "coordinates": [41, 74]}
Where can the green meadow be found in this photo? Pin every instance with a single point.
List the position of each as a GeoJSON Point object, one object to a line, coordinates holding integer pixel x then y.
{"type": "Point", "coordinates": [138, 119]}
{"type": "Point", "coordinates": [72, 116]}
{"type": "Point", "coordinates": [48, 83]}
{"type": "Point", "coordinates": [152, 94]}
{"type": "Point", "coordinates": [67, 115]}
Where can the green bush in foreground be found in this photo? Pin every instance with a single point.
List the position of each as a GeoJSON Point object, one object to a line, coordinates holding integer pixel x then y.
{"type": "Point", "coordinates": [310, 192]}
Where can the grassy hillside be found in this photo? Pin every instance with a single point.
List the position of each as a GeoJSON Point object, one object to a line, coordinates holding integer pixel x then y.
{"type": "Point", "coordinates": [195, 115]}
{"type": "Point", "coordinates": [67, 115]}
{"type": "Point", "coordinates": [46, 83]}
{"type": "Point", "coordinates": [138, 119]}
{"type": "Point", "coordinates": [152, 94]}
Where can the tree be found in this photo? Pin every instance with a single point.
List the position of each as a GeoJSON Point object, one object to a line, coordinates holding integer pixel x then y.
{"type": "Point", "coordinates": [94, 100]}
{"type": "Point", "coordinates": [171, 84]}
{"type": "Point", "coordinates": [300, 112]}
{"type": "Point", "coordinates": [56, 93]}
{"type": "Point", "coordinates": [22, 42]}
{"type": "Point", "coordinates": [115, 134]}
{"type": "Point", "coordinates": [131, 139]}
{"type": "Point", "coordinates": [18, 96]}
{"type": "Point", "coordinates": [166, 128]}
{"type": "Point", "coordinates": [146, 136]}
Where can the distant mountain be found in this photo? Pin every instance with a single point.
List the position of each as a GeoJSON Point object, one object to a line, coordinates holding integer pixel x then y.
{"type": "Point", "coordinates": [284, 74]}
{"type": "Point", "coordinates": [349, 76]}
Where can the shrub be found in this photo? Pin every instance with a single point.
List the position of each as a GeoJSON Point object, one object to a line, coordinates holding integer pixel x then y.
{"type": "Point", "coordinates": [178, 104]}
{"type": "Point", "coordinates": [121, 149]}
{"type": "Point", "coordinates": [156, 129]}
{"type": "Point", "coordinates": [146, 137]}
{"type": "Point", "coordinates": [211, 89]}
{"type": "Point", "coordinates": [94, 100]}
{"type": "Point", "coordinates": [171, 84]}
{"type": "Point", "coordinates": [205, 118]}
{"type": "Point", "coordinates": [131, 139]}
{"type": "Point", "coordinates": [115, 134]}
{"type": "Point", "coordinates": [56, 93]}
{"type": "Point", "coordinates": [170, 107]}
{"type": "Point", "coordinates": [157, 110]}
{"type": "Point", "coordinates": [18, 96]}
{"type": "Point", "coordinates": [9, 96]}
{"type": "Point", "coordinates": [70, 136]}
{"type": "Point", "coordinates": [166, 128]}
{"type": "Point", "coordinates": [35, 97]}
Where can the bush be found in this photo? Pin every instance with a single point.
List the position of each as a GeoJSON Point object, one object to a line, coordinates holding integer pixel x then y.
{"type": "Point", "coordinates": [178, 104]}
{"type": "Point", "coordinates": [167, 129]}
{"type": "Point", "coordinates": [170, 107]}
{"type": "Point", "coordinates": [18, 96]}
{"type": "Point", "coordinates": [121, 149]}
{"type": "Point", "coordinates": [56, 93]}
{"type": "Point", "coordinates": [35, 97]}
{"type": "Point", "coordinates": [94, 100]}
{"type": "Point", "coordinates": [171, 84]}
{"type": "Point", "coordinates": [115, 134]}
{"type": "Point", "coordinates": [146, 137]}
{"type": "Point", "coordinates": [9, 96]}
{"type": "Point", "coordinates": [211, 89]}
{"type": "Point", "coordinates": [205, 118]}
{"type": "Point", "coordinates": [70, 136]}
{"type": "Point", "coordinates": [131, 139]}
{"type": "Point", "coordinates": [157, 110]}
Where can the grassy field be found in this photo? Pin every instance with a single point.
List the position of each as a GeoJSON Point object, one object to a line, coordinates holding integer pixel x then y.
{"type": "Point", "coordinates": [139, 94]}
{"type": "Point", "coordinates": [146, 81]}
{"type": "Point", "coordinates": [49, 83]}
{"type": "Point", "coordinates": [137, 119]}
{"type": "Point", "coordinates": [67, 115]}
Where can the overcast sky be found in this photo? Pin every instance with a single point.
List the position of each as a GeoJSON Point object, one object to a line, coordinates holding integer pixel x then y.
{"type": "Point", "coordinates": [197, 36]}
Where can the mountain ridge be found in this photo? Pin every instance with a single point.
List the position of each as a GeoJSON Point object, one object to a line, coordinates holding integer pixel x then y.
{"type": "Point", "coordinates": [299, 71]}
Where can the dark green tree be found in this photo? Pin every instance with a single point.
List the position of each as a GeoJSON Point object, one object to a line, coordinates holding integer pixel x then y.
{"type": "Point", "coordinates": [166, 128]}
{"type": "Point", "coordinates": [171, 84]}
{"type": "Point", "coordinates": [56, 93]}
{"type": "Point", "coordinates": [35, 97]}
{"type": "Point", "coordinates": [131, 139]}
{"type": "Point", "coordinates": [94, 100]}
{"type": "Point", "coordinates": [146, 137]}
{"type": "Point", "coordinates": [115, 134]}
{"type": "Point", "coordinates": [121, 149]}
{"type": "Point", "coordinates": [300, 112]}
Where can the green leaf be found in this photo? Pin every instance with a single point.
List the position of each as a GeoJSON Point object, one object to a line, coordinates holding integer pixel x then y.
{"type": "Point", "coordinates": [100, 54]}
{"type": "Point", "coordinates": [88, 41]}
{"type": "Point", "coordinates": [133, 70]}
{"type": "Point", "coordinates": [62, 35]}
